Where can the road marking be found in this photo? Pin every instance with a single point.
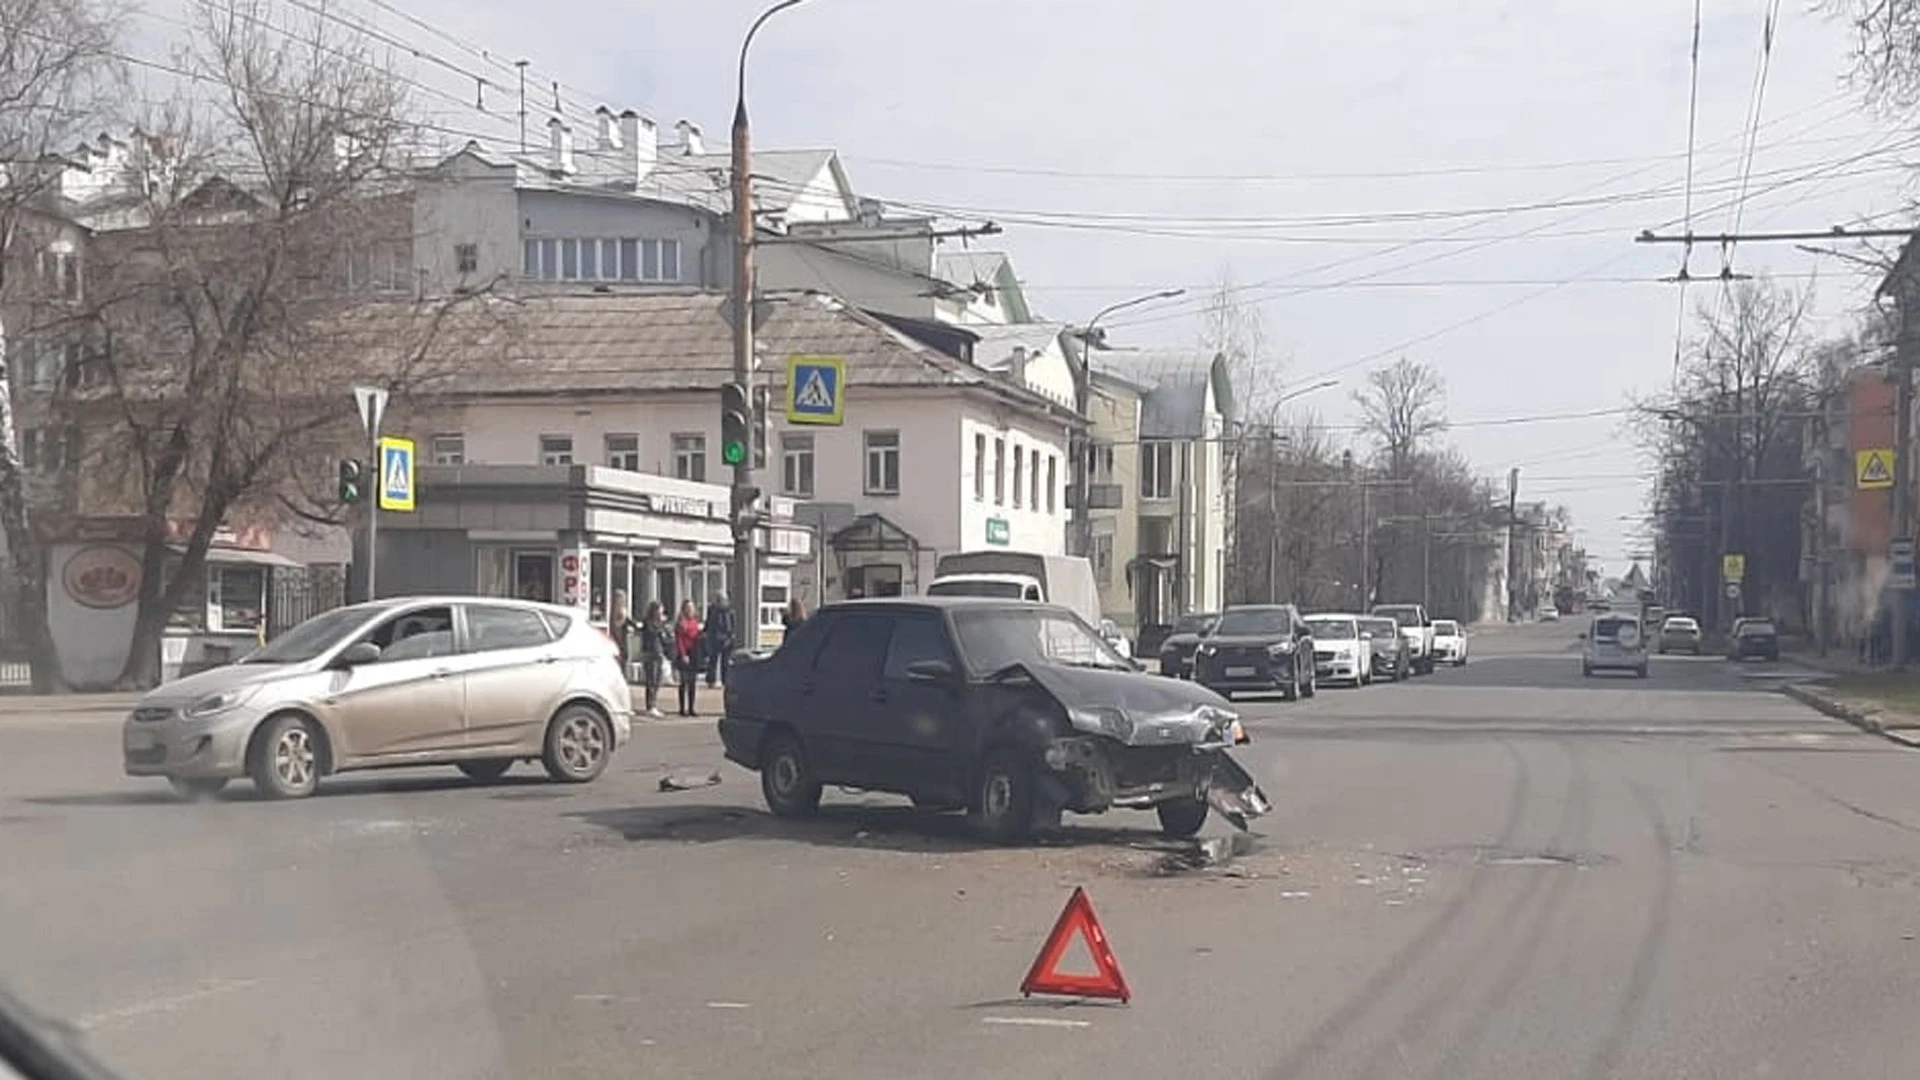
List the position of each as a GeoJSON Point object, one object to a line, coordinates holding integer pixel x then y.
{"type": "Point", "coordinates": [167, 1003]}
{"type": "Point", "coordinates": [728, 1005]}
{"type": "Point", "coordinates": [1036, 1021]}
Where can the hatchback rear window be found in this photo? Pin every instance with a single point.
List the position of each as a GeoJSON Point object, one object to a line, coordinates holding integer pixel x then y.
{"type": "Point", "coordinates": [1622, 631]}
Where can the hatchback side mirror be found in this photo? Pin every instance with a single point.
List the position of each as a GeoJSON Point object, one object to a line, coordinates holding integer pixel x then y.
{"type": "Point", "coordinates": [930, 671]}
{"type": "Point", "coordinates": [360, 652]}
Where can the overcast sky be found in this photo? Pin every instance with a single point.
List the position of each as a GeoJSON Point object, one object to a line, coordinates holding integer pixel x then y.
{"type": "Point", "coordinates": [1111, 138]}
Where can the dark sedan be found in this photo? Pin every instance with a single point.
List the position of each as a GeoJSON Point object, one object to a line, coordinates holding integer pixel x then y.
{"type": "Point", "coordinates": [1390, 659]}
{"type": "Point", "coordinates": [1753, 639]}
{"type": "Point", "coordinates": [1176, 653]}
{"type": "Point", "coordinates": [1258, 648]}
{"type": "Point", "coordinates": [1012, 711]}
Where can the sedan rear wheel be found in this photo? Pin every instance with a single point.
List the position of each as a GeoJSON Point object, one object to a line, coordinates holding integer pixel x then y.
{"type": "Point", "coordinates": [579, 745]}
{"type": "Point", "coordinates": [785, 780]}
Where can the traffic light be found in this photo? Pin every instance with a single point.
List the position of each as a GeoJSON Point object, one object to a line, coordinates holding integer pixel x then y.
{"type": "Point", "coordinates": [746, 512]}
{"type": "Point", "coordinates": [736, 424]}
{"type": "Point", "coordinates": [352, 481]}
{"type": "Point", "coordinates": [762, 429]}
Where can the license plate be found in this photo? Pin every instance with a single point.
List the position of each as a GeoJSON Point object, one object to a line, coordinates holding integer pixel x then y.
{"type": "Point", "coordinates": [1239, 673]}
{"type": "Point", "coordinates": [142, 740]}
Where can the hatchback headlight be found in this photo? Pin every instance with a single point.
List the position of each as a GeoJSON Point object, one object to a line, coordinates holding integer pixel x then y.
{"type": "Point", "coordinates": [1280, 648]}
{"type": "Point", "coordinates": [214, 704]}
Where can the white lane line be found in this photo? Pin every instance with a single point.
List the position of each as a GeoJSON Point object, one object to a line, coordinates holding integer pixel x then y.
{"type": "Point", "coordinates": [166, 1003]}
{"type": "Point", "coordinates": [1036, 1021]}
{"type": "Point", "coordinates": [728, 1005]}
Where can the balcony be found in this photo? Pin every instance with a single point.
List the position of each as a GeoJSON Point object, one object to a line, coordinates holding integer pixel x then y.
{"type": "Point", "coordinates": [1099, 497]}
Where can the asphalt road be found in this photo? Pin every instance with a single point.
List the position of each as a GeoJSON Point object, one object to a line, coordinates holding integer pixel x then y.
{"type": "Point", "coordinates": [1499, 871]}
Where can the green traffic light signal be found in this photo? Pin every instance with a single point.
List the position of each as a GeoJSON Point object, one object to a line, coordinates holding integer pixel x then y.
{"type": "Point", "coordinates": [733, 453]}
{"type": "Point", "coordinates": [350, 481]}
{"type": "Point", "coordinates": [736, 424]}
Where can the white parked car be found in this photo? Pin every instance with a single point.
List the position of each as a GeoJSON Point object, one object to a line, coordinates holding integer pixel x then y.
{"type": "Point", "coordinates": [1342, 652]}
{"type": "Point", "coordinates": [1449, 642]}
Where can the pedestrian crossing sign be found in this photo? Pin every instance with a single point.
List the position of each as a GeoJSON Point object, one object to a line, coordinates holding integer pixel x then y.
{"type": "Point", "coordinates": [1873, 469]}
{"type": "Point", "coordinates": [396, 474]}
{"type": "Point", "coordinates": [816, 390]}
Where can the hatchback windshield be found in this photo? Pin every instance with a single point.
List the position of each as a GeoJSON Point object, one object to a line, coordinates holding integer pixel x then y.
{"type": "Point", "coordinates": [310, 638]}
{"type": "Point", "coordinates": [1446, 628]}
{"type": "Point", "coordinates": [1682, 624]}
{"type": "Point", "coordinates": [1616, 631]}
{"type": "Point", "coordinates": [1379, 628]}
{"type": "Point", "coordinates": [1756, 628]}
{"type": "Point", "coordinates": [1254, 621]}
{"type": "Point", "coordinates": [1326, 629]}
{"type": "Point", "coordinates": [994, 639]}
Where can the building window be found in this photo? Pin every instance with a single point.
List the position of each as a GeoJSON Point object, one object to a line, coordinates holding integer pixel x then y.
{"type": "Point", "coordinates": [1100, 463]}
{"type": "Point", "coordinates": [1033, 479]}
{"type": "Point", "coordinates": [599, 259]}
{"type": "Point", "coordinates": [623, 452]}
{"type": "Point", "coordinates": [556, 449]}
{"type": "Point", "coordinates": [999, 472]}
{"type": "Point", "coordinates": [1019, 475]}
{"type": "Point", "coordinates": [1101, 555]}
{"type": "Point", "coordinates": [1156, 470]}
{"type": "Point", "coordinates": [979, 468]}
{"type": "Point", "coordinates": [796, 465]}
{"type": "Point", "coordinates": [448, 448]}
{"type": "Point", "coordinates": [466, 258]}
{"type": "Point", "coordinates": [690, 457]}
{"type": "Point", "coordinates": [883, 462]}
{"type": "Point", "coordinates": [1053, 485]}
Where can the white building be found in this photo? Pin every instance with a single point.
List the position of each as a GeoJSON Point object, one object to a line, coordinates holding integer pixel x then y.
{"type": "Point", "coordinates": [934, 456]}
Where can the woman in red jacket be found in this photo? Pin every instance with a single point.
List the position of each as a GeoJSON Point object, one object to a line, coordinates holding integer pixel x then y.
{"type": "Point", "coordinates": [686, 654]}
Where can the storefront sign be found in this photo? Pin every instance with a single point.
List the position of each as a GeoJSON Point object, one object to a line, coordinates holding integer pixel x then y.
{"type": "Point", "coordinates": [682, 506]}
{"type": "Point", "coordinates": [572, 572]}
{"type": "Point", "coordinates": [103, 577]}
{"type": "Point", "coordinates": [999, 532]}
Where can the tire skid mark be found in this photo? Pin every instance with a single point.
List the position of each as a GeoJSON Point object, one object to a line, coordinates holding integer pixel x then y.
{"type": "Point", "coordinates": [1572, 834]}
{"type": "Point", "coordinates": [1306, 1055]}
{"type": "Point", "coordinates": [1653, 943]}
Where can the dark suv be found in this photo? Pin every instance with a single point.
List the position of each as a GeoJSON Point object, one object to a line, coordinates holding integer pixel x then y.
{"type": "Point", "coordinates": [1257, 648]}
{"type": "Point", "coordinates": [1014, 711]}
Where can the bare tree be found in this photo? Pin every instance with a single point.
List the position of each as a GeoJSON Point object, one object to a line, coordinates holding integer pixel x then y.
{"type": "Point", "coordinates": [1402, 407]}
{"type": "Point", "coordinates": [1730, 436]}
{"type": "Point", "coordinates": [1886, 49]}
{"type": "Point", "coordinates": [230, 319]}
{"type": "Point", "coordinates": [55, 55]}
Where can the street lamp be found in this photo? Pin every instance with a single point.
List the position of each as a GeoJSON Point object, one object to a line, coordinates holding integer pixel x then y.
{"type": "Point", "coordinates": [745, 585]}
{"type": "Point", "coordinates": [1082, 401]}
{"type": "Point", "coordinates": [1323, 384]}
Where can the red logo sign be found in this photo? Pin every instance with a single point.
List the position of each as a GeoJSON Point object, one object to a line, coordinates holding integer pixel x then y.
{"type": "Point", "coordinates": [102, 577]}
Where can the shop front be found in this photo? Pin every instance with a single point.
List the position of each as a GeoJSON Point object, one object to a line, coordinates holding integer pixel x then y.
{"type": "Point", "coordinates": [576, 535]}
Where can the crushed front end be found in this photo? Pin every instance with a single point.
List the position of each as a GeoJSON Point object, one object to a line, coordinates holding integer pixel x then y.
{"type": "Point", "coordinates": [1116, 760]}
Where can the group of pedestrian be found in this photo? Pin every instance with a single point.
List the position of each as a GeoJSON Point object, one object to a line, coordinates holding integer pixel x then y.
{"type": "Point", "coordinates": [695, 647]}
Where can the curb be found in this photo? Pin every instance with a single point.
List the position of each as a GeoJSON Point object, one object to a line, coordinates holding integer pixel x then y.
{"type": "Point", "coordinates": [1868, 722]}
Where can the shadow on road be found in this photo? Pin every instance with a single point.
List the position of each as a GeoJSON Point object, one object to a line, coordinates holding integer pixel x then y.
{"type": "Point", "coordinates": [891, 828]}
{"type": "Point", "coordinates": [343, 787]}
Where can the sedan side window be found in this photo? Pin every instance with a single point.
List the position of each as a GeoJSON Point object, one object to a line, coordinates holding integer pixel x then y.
{"type": "Point", "coordinates": [490, 627]}
{"type": "Point", "coordinates": [414, 635]}
{"type": "Point", "coordinates": [851, 654]}
{"type": "Point", "coordinates": [916, 637]}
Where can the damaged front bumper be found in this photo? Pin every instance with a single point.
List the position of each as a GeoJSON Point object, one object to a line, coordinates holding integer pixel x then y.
{"type": "Point", "coordinates": [1182, 756]}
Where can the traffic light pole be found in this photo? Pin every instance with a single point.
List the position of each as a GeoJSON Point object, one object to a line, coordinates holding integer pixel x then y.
{"type": "Point", "coordinates": [373, 508]}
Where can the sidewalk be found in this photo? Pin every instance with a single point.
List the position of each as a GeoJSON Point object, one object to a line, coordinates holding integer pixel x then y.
{"type": "Point", "coordinates": [13, 706]}
{"type": "Point", "coordinates": [1882, 702]}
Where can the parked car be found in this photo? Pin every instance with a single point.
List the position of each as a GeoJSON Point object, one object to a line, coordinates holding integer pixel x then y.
{"type": "Point", "coordinates": [1417, 627]}
{"type": "Point", "coordinates": [1613, 643]}
{"type": "Point", "coordinates": [1389, 647]}
{"type": "Point", "coordinates": [464, 681]}
{"type": "Point", "coordinates": [1342, 651]}
{"type": "Point", "coordinates": [1449, 643]}
{"type": "Point", "coordinates": [1176, 652]}
{"type": "Point", "coordinates": [1548, 614]}
{"type": "Point", "coordinates": [1679, 633]}
{"type": "Point", "coordinates": [1258, 648]}
{"type": "Point", "coordinates": [1014, 711]}
{"type": "Point", "coordinates": [1753, 638]}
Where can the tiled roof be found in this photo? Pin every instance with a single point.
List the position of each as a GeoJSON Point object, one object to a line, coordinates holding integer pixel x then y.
{"type": "Point", "coordinates": [599, 343]}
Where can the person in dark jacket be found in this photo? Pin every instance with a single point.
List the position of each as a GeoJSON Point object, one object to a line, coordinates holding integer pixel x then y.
{"type": "Point", "coordinates": [718, 639]}
{"type": "Point", "coordinates": [656, 644]}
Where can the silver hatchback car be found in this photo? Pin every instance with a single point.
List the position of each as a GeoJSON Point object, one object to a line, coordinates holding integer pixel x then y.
{"type": "Point", "coordinates": [478, 683]}
{"type": "Point", "coordinates": [1613, 642]}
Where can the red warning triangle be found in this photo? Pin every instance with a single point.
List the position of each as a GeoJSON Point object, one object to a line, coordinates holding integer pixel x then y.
{"type": "Point", "coordinates": [1076, 920]}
